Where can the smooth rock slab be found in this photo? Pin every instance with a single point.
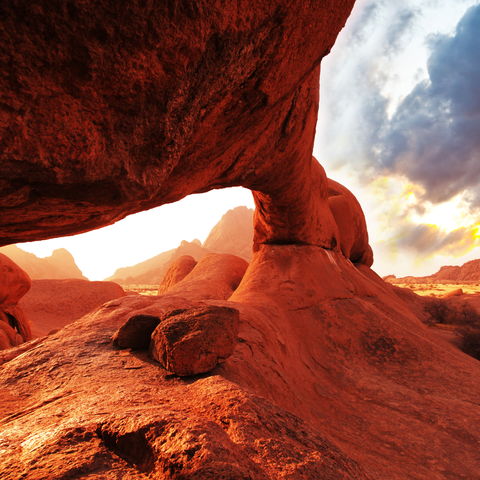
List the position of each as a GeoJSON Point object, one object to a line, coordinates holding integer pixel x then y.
{"type": "Point", "coordinates": [194, 341]}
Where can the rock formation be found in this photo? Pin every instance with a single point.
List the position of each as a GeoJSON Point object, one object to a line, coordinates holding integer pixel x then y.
{"type": "Point", "coordinates": [332, 375]}
{"type": "Point", "coordinates": [135, 111]}
{"type": "Point", "coordinates": [152, 271]}
{"type": "Point", "coordinates": [233, 234]}
{"type": "Point", "coordinates": [178, 270]}
{"type": "Point", "coordinates": [195, 340]}
{"type": "Point", "coordinates": [14, 284]}
{"type": "Point", "coordinates": [52, 304]}
{"type": "Point", "coordinates": [466, 273]}
{"type": "Point", "coordinates": [60, 264]}
{"type": "Point", "coordinates": [215, 276]}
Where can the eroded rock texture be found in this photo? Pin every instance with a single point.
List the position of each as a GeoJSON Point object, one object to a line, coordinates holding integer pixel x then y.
{"type": "Point", "coordinates": [14, 284]}
{"type": "Point", "coordinates": [177, 271]}
{"type": "Point", "coordinates": [105, 109]}
{"type": "Point", "coordinates": [109, 110]}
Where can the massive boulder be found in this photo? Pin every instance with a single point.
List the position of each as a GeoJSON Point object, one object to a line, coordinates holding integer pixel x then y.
{"type": "Point", "coordinates": [215, 276]}
{"type": "Point", "coordinates": [177, 271]}
{"type": "Point", "coordinates": [350, 220]}
{"type": "Point", "coordinates": [14, 284]}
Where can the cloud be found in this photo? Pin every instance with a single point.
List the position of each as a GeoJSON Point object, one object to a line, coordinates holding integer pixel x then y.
{"type": "Point", "coordinates": [430, 240]}
{"type": "Point", "coordinates": [434, 136]}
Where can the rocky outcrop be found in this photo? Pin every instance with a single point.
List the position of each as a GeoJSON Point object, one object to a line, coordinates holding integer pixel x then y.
{"type": "Point", "coordinates": [332, 375]}
{"type": "Point", "coordinates": [14, 284]}
{"type": "Point", "coordinates": [52, 304]}
{"type": "Point", "coordinates": [233, 234]}
{"type": "Point", "coordinates": [325, 350]}
{"type": "Point", "coordinates": [178, 270]}
{"type": "Point", "coordinates": [60, 264]}
{"type": "Point", "coordinates": [466, 273]}
{"type": "Point", "coordinates": [139, 102]}
{"type": "Point", "coordinates": [216, 276]}
{"type": "Point", "coordinates": [350, 220]}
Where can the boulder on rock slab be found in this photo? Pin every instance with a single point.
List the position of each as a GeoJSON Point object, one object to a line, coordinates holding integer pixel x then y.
{"type": "Point", "coordinates": [194, 341]}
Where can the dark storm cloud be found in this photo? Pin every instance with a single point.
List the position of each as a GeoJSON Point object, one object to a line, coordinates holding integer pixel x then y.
{"type": "Point", "coordinates": [434, 136]}
{"type": "Point", "coordinates": [429, 239]}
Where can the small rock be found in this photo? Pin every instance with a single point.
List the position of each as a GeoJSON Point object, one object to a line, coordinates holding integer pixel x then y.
{"type": "Point", "coordinates": [453, 293]}
{"type": "Point", "coordinates": [194, 341]}
{"type": "Point", "coordinates": [135, 333]}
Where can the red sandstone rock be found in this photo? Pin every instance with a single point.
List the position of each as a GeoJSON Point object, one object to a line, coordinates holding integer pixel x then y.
{"type": "Point", "coordinates": [216, 276]}
{"type": "Point", "coordinates": [60, 264]}
{"type": "Point", "coordinates": [194, 341]}
{"type": "Point", "coordinates": [178, 270]}
{"type": "Point", "coordinates": [136, 332]}
{"type": "Point", "coordinates": [52, 304]}
{"type": "Point", "coordinates": [333, 376]}
{"type": "Point", "coordinates": [233, 234]}
{"type": "Point", "coordinates": [325, 350]}
{"type": "Point", "coordinates": [14, 284]}
{"type": "Point", "coordinates": [352, 228]}
{"type": "Point", "coordinates": [224, 94]}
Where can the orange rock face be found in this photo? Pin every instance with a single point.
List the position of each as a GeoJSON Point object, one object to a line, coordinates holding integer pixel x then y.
{"type": "Point", "coordinates": [193, 341]}
{"type": "Point", "coordinates": [350, 220]}
{"type": "Point", "coordinates": [14, 284]}
{"type": "Point", "coordinates": [216, 276]}
{"type": "Point", "coordinates": [179, 269]}
{"type": "Point", "coordinates": [108, 111]}
{"type": "Point", "coordinates": [139, 101]}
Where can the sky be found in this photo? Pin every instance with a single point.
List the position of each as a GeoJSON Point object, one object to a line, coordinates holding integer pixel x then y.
{"type": "Point", "coordinates": [399, 125]}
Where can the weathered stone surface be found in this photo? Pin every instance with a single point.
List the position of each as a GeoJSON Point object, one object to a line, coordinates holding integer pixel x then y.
{"type": "Point", "coordinates": [325, 350]}
{"type": "Point", "coordinates": [177, 271]}
{"type": "Point", "coordinates": [352, 228]}
{"type": "Point", "coordinates": [153, 102]}
{"type": "Point", "coordinates": [216, 276]}
{"type": "Point", "coordinates": [194, 341]}
{"type": "Point", "coordinates": [136, 332]}
{"type": "Point", "coordinates": [14, 284]}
